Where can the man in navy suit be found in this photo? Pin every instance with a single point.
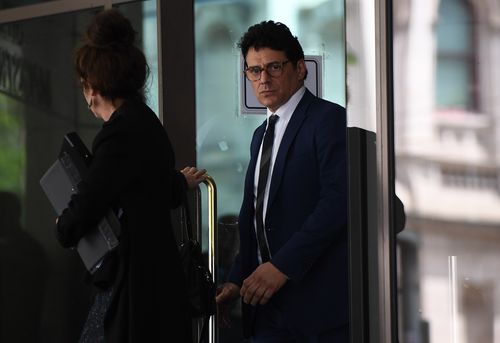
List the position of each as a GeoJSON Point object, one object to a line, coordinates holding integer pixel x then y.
{"type": "Point", "coordinates": [293, 275]}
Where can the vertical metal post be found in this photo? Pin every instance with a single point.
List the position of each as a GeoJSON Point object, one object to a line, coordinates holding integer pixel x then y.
{"type": "Point", "coordinates": [371, 172]}
{"type": "Point", "coordinates": [387, 311]}
{"type": "Point", "coordinates": [176, 77]}
{"type": "Point", "coordinates": [452, 283]}
{"type": "Point", "coordinates": [176, 80]}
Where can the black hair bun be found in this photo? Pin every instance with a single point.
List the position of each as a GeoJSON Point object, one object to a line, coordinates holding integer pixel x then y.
{"type": "Point", "coordinates": [110, 30]}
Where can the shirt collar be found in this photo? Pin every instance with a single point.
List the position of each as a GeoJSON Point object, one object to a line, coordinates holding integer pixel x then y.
{"type": "Point", "coordinates": [286, 110]}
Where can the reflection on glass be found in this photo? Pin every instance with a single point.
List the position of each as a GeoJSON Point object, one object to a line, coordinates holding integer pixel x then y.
{"type": "Point", "coordinates": [447, 170]}
{"type": "Point", "coordinates": [360, 25]}
{"type": "Point", "coordinates": [40, 102]}
{"type": "Point", "coordinates": [12, 141]}
{"type": "Point", "coordinates": [455, 56]}
{"type": "Point", "coordinates": [150, 49]}
{"type": "Point", "coordinates": [23, 275]}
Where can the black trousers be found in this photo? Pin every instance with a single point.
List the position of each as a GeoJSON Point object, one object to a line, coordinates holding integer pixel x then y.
{"type": "Point", "coordinates": [271, 327]}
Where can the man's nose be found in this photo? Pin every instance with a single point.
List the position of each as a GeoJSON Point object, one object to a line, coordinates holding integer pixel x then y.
{"type": "Point", "coordinates": [264, 76]}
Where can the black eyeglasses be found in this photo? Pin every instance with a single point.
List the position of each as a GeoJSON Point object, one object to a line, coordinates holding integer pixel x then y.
{"type": "Point", "coordinates": [273, 69]}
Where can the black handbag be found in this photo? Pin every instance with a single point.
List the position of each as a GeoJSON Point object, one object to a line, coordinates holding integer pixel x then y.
{"type": "Point", "coordinates": [200, 283]}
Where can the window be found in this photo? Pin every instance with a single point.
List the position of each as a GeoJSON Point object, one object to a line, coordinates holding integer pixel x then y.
{"type": "Point", "coordinates": [455, 75]}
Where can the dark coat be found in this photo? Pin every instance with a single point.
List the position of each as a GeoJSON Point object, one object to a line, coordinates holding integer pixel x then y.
{"type": "Point", "coordinates": [133, 170]}
{"type": "Point", "coordinates": [306, 220]}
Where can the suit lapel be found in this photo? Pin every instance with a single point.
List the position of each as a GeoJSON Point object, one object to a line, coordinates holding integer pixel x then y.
{"type": "Point", "coordinates": [254, 152]}
{"type": "Point", "coordinates": [292, 128]}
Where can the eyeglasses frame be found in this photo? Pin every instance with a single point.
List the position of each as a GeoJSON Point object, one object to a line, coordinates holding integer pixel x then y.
{"type": "Point", "coordinates": [265, 68]}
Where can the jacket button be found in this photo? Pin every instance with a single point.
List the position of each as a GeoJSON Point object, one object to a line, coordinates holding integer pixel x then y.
{"type": "Point", "coordinates": [268, 228]}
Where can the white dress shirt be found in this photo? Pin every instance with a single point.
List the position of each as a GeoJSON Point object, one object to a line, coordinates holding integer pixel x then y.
{"type": "Point", "coordinates": [284, 113]}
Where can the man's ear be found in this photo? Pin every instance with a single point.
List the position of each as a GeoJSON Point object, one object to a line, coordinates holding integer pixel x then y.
{"type": "Point", "coordinates": [301, 68]}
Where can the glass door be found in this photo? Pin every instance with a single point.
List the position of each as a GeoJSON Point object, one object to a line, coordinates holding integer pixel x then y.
{"type": "Point", "coordinates": [223, 128]}
{"type": "Point", "coordinates": [447, 163]}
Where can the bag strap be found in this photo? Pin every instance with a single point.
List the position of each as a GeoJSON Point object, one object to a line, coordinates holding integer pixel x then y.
{"type": "Point", "coordinates": [187, 231]}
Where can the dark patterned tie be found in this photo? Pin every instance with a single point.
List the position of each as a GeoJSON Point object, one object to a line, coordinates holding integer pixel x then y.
{"type": "Point", "coordinates": [265, 161]}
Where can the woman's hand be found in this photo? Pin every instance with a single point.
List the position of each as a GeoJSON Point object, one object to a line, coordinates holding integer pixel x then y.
{"type": "Point", "coordinates": [193, 176]}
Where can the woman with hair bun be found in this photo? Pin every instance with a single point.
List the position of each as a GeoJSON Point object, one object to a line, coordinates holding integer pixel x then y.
{"type": "Point", "coordinates": [132, 171]}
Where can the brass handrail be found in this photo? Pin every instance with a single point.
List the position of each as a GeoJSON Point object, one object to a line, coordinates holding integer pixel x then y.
{"type": "Point", "coordinates": [212, 222]}
{"type": "Point", "coordinates": [212, 244]}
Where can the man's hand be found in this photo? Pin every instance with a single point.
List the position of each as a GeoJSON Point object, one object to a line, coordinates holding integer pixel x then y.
{"type": "Point", "coordinates": [193, 176]}
{"type": "Point", "coordinates": [226, 295]}
{"type": "Point", "coordinates": [260, 286]}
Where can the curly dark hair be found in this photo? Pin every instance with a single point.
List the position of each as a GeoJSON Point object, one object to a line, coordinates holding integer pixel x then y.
{"type": "Point", "coordinates": [273, 35]}
{"type": "Point", "coordinates": [108, 61]}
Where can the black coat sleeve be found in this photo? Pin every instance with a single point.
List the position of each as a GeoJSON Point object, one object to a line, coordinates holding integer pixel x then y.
{"type": "Point", "coordinates": [112, 170]}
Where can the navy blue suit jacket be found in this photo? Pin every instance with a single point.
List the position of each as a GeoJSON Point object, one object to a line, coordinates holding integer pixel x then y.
{"type": "Point", "coordinates": [306, 220]}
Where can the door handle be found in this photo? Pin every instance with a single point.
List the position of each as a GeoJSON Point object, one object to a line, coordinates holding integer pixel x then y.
{"type": "Point", "coordinates": [212, 241]}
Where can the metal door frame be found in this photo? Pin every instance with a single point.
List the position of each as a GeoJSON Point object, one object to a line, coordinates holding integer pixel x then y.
{"type": "Point", "coordinates": [373, 296]}
{"type": "Point", "coordinates": [44, 9]}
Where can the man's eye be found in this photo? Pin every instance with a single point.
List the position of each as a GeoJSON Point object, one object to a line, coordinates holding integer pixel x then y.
{"type": "Point", "coordinates": [254, 70]}
{"type": "Point", "coordinates": [275, 66]}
